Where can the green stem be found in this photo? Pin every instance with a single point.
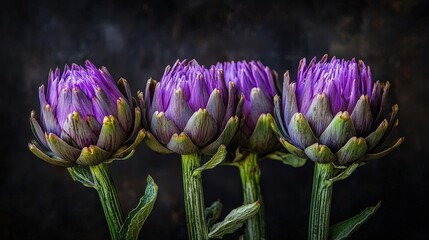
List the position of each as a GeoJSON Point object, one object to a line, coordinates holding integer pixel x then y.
{"type": "Point", "coordinates": [320, 207]}
{"type": "Point", "coordinates": [108, 197]}
{"type": "Point", "coordinates": [250, 180]}
{"type": "Point", "coordinates": [194, 198]}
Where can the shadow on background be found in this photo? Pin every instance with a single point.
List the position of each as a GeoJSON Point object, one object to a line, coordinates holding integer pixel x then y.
{"type": "Point", "coordinates": [137, 40]}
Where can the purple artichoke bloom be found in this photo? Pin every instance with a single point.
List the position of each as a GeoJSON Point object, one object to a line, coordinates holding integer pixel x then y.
{"type": "Point", "coordinates": [259, 84]}
{"type": "Point", "coordinates": [190, 110]}
{"type": "Point", "coordinates": [334, 113]}
{"type": "Point", "coordinates": [85, 118]}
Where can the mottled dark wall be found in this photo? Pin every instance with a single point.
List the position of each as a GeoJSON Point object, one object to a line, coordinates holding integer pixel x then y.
{"type": "Point", "coordinates": [137, 40]}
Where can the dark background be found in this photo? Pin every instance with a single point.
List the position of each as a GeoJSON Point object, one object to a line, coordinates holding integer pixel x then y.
{"type": "Point", "coordinates": [137, 40]}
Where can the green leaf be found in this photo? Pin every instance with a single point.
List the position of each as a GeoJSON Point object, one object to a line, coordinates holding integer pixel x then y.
{"type": "Point", "coordinates": [136, 218]}
{"type": "Point", "coordinates": [263, 137]}
{"type": "Point", "coordinates": [344, 229]}
{"type": "Point", "coordinates": [225, 136]}
{"type": "Point", "coordinates": [343, 175]}
{"type": "Point", "coordinates": [320, 153]}
{"type": "Point", "coordinates": [353, 150]}
{"type": "Point", "coordinates": [92, 155]}
{"type": "Point", "coordinates": [214, 161]}
{"type": "Point", "coordinates": [239, 155]}
{"type": "Point", "coordinates": [130, 154]}
{"type": "Point", "coordinates": [125, 149]}
{"type": "Point", "coordinates": [338, 132]}
{"type": "Point", "coordinates": [287, 158]}
{"type": "Point", "coordinates": [234, 220]}
{"type": "Point", "coordinates": [300, 131]}
{"type": "Point", "coordinates": [182, 144]}
{"type": "Point", "coordinates": [291, 148]}
{"type": "Point", "coordinates": [35, 148]}
{"type": "Point", "coordinates": [156, 146]}
{"type": "Point", "coordinates": [213, 212]}
{"type": "Point", "coordinates": [82, 175]}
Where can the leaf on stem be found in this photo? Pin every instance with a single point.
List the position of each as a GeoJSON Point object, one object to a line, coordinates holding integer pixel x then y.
{"type": "Point", "coordinates": [136, 218]}
{"type": "Point", "coordinates": [239, 155]}
{"type": "Point", "coordinates": [213, 212]}
{"type": "Point", "coordinates": [214, 161]}
{"type": "Point", "coordinates": [343, 175]}
{"type": "Point", "coordinates": [82, 175]}
{"type": "Point", "coordinates": [344, 229]}
{"type": "Point", "coordinates": [234, 220]}
{"type": "Point", "coordinates": [287, 158]}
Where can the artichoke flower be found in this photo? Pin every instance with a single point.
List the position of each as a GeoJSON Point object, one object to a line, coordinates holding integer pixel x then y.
{"type": "Point", "coordinates": [259, 84]}
{"type": "Point", "coordinates": [85, 118]}
{"type": "Point", "coordinates": [191, 110]}
{"type": "Point", "coordinates": [335, 113]}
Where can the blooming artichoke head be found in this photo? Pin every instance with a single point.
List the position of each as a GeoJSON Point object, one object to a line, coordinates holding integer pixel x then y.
{"type": "Point", "coordinates": [334, 113]}
{"type": "Point", "coordinates": [259, 85]}
{"type": "Point", "coordinates": [85, 118]}
{"type": "Point", "coordinates": [190, 110]}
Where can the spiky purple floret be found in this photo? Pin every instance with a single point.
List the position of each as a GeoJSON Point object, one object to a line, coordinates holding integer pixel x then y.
{"type": "Point", "coordinates": [89, 91]}
{"type": "Point", "coordinates": [334, 113]}
{"type": "Point", "coordinates": [190, 109]}
{"type": "Point", "coordinates": [196, 81]}
{"type": "Point", "coordinates": [64, 92]}
{"type": "Point", "coordinates": [248, 76]}
{"type": "Point", "coordinates": [343, 81]}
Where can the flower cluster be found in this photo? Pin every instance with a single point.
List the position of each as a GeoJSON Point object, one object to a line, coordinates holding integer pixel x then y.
{"type": "Point", "coordinates": [333, 113]}
{"type": "Point", "coordinates": [85, 118]}
{"type": "Point", "coordinates": [190, 110]}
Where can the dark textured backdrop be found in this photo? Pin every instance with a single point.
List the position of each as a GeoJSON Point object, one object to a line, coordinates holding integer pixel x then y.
{"type": "Point", "coordinates": [137, 40]}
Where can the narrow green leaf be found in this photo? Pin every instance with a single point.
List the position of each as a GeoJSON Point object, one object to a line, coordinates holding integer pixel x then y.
{"type": "Point", "coordinates": [214, 161]}
{"type": "Point", "coordinates": [234, 220]}
{"type": "Point", "coordinates": [213, 212]}
{"type": "Point", "coordinates": [344, 229]}
{"type": "Point", "coordinates": [82, 175]}
{"type": "Point", "coordinates": [343, 175]}
{"type": "Point", "coordinates": [287, 158]}
{"type": "Point", "coordinates": [239, 155]}
{"type": "Point", "coordinates": [130, 154]}
{"type": "Point", "coordinates": [291, 148]}
{"type": "Point", "coordinates": [136, 218]}
{"type": "Point", "coordinates": [320, 153]}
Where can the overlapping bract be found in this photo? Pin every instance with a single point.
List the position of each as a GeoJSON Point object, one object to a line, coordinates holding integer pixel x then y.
{"type": "Point", "coordinates": [334, 113]}
{"type": "Point", "coordinates": [190, 110]}
{"type": "Point", "coordinates": [259, 84]}
{"type": "Point", "coordinates": [85, 118]}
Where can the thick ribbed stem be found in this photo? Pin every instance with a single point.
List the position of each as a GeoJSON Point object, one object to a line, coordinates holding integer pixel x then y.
{"type": "Point", "coordinates": [250, 180]}
{"type": "Point", "coordinates": [320, 207]}
{"type": "Point", "coordinates": [194, 198]}
{"type": "Point", "coordinates": [108, 197]}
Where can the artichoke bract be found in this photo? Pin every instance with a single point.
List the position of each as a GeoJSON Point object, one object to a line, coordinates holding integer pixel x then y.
{"type": "Point", "coordinates": [259, 84]}
{"type": "Point", "coordinates": [85, 118]}
{"type": "Point", "coordinates": [334, 112]}
{"type": "Point", "coordinates": [191, 110]}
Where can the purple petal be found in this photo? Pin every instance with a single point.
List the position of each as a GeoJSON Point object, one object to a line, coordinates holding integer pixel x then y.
{"type": "Point", "coordinates": [178, 110]}
{"type": "Point", "coordinates": [103, 105]}
{"type": "Point", "coordinates": [64, 107]}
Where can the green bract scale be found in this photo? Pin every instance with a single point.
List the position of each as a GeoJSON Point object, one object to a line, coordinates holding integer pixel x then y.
{"type": "Point", "coordinates": [191, 110]}
{"type": "Point", "coordinates": [85, 118]}
{"type": "Point", "coordinates": [335, 113]}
